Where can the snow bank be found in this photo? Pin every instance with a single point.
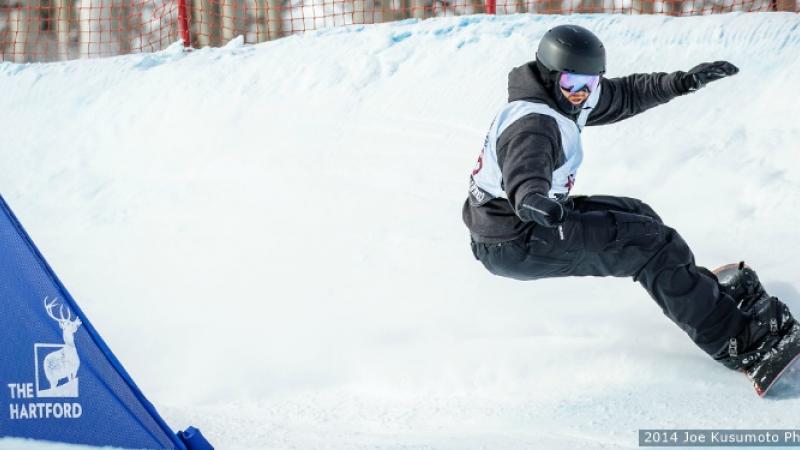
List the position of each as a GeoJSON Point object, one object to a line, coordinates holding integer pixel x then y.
{"type": "Point", "coordinates": [269, 237]}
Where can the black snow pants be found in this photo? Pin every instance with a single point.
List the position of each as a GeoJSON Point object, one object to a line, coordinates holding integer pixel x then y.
{"type": "Point", "coordinates": [623, 237]}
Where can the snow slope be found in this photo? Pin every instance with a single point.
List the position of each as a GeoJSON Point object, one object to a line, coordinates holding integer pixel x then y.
{"type": "Point", "coordinates": [269, 237]}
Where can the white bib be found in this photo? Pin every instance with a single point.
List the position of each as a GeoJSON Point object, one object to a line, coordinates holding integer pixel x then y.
{"type": "Point", "coordinates": [487, 178]}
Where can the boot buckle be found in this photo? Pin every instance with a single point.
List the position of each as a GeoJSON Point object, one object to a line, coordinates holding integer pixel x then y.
{"type": "Point", "coordinates": [733, 348]}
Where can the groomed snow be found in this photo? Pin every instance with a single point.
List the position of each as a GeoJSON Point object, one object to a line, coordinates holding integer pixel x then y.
{"type": "Point", "coordinates": [269, 237]}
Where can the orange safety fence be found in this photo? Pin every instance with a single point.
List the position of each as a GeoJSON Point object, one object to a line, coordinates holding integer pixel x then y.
{"type": "Point", "coordinates": [51, 30]}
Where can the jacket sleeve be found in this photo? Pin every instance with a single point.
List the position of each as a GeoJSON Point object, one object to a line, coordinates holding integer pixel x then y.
{"type": "Point", "coordinates": [621, 98]}
{"type": "Point", "coordinates": [528, 152]}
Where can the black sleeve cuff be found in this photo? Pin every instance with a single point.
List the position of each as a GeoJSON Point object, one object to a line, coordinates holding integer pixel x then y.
{"type": "Point", "coordinates": [679, 84]}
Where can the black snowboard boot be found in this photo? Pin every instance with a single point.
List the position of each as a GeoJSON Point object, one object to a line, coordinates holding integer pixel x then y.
{"type": "Point", "coordinates": [771, 320]}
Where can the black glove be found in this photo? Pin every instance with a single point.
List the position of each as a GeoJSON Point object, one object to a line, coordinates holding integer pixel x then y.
{"type": "Point", "coordinates": [700, 75]}
{"type": "Point", "coordinates": [542, 210]}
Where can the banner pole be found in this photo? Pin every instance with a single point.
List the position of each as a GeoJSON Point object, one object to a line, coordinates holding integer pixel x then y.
{"type": "Point", "coordinates": [183, 23]}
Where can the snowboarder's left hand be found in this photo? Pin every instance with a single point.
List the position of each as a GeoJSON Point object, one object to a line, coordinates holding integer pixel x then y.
{"type": "Point", "coordinates": [700, 75]}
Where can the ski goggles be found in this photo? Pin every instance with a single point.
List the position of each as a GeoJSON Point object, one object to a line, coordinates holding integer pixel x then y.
{"type": "Point", "coordinates": [576, 82]}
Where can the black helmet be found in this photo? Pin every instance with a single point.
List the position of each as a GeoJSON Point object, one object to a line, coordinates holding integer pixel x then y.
{"type": "Point", "coordinates": [570, 48]}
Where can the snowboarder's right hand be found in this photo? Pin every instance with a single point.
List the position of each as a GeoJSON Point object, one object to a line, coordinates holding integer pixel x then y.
{"type": "Point", "coordinates": [542, 210]}
{"type": "Point", "coordinates": [701, 74]}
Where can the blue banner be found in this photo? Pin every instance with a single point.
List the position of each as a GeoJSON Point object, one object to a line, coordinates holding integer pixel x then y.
{"type": "Point", "coordinates": [58, 379]}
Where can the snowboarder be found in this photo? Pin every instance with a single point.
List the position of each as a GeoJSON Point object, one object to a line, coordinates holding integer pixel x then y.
{"type": "Point", "coordinates": [524, 224]}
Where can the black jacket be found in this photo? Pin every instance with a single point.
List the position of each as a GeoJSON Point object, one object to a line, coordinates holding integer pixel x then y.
{"type": "Point", "coordinates": [530, 150]}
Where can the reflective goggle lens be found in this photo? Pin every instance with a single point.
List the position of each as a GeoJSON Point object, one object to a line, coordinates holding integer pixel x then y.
{"type": "Point", "coordinates": [574, 82]}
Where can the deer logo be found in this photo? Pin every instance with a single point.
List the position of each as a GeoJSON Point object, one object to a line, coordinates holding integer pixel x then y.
{"type": "Point", "coordinates": [62, 363]}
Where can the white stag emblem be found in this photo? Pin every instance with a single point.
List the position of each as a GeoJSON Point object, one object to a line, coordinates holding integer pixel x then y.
{"type": "Point", "coordinates": [62, 363]}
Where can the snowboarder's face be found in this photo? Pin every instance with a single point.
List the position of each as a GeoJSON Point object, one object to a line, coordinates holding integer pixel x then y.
{"type": "Point", "coordinates": [576, 98]}
{"type": "Point", "coordinates": [576, 87]}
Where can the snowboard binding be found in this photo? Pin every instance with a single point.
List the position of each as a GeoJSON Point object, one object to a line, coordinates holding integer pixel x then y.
{"type": "Point", "coordinates": [770, 342]}
{"type": "Point", "coordinates": [740, 282]}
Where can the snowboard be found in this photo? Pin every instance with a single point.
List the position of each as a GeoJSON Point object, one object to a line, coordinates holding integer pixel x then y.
{"type": "Point", "coordinates": [780, 367]}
